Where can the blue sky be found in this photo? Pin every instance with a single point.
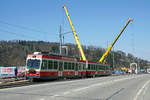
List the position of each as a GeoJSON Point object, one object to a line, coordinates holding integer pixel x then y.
{"type": "Point", "coordinates": [96, 22]}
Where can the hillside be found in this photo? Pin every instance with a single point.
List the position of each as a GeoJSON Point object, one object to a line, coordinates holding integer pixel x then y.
{"type": "Point", "coordinates": [13, 53]}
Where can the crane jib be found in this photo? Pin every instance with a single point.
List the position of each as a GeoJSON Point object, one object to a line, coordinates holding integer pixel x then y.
{"type": "Point", "coordinates": [75, 35]}
{"type": "Point", "coordinates": [110, 47]}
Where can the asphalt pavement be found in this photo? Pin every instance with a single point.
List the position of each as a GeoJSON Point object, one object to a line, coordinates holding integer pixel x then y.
{"type": "Point", "coordinates": [125, 87]}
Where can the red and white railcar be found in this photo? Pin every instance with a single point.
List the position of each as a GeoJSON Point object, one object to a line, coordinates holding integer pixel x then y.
{"type": "Point", "coordinates": [52, 66]}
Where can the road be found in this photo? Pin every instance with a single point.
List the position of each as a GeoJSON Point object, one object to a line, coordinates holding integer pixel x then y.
{"type": "Point", "coordinates": [127, 87]}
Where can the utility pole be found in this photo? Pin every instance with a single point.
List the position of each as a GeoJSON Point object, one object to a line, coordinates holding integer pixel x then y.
{"type": "Point", "coordinates": [113, 58]}
{"type": "Point", "coordinates": [61, 40]}
{"type": "Point", "coordinates": [60, 37]}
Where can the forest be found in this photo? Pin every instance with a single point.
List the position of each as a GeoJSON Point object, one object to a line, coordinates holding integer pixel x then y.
{"type": "Point", "coordinates": [14, 53]}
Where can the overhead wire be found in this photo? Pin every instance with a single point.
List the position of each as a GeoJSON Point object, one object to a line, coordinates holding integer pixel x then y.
{"type": "Point", "coordinates": [22, 27]}
{"type": "Point", "coordinates": [17, 34]}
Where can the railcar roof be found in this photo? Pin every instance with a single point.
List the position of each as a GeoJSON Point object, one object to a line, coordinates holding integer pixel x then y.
{"type": "Point", "coordinates": [59, 57]}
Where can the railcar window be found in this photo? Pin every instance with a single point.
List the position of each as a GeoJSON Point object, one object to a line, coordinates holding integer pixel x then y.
{"type": "Point", "coordinates": [92, 67]}
{"type": "Point", "coordinates": [76, 66]}
{"type": "Point", "coordinates": [44, 64]}
{"type": "Point", "coordinates": [73, 66]}
{"type": "Point", "coordinates": [50, 64]}
{"type": "Point", "coordinates": [84, 66]}
{"type": "Point", "coordinates": [89, 66]}
{"type": "Point", "coordinates": [96, 67]}
{"type": "Point", "coordinates": [79, 66]}
{"type": "Point", "coordinates": [60, 66]}
{"type": "Point", "coordinates": [107, 67]}
{"type": "Point", "coordinates": [55, 64]}
{"type": "Point", "coordinates": [33, 63]}
{"type": "Point", "coordinates": [104, 67]}
{"type": "Point", "coordinates": [69, 66]}
{"type": "Point", "coordinates": [101, 67]}
{"type": "Point", "coordinates": [65, 65]}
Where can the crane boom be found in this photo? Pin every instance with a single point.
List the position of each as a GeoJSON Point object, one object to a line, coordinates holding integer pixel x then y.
{"type": "Point", "coordinates": [109, 48]}
{"type": "Point", "coordinates": [75, 36]}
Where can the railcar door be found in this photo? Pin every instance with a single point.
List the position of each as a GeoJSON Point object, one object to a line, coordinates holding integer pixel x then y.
{"type": "Point", "coordinates": [60, 69]}
{"type": "Point", "coordinates": [76, 69]}
{"type": "Point", "coordinates": [96, 69]}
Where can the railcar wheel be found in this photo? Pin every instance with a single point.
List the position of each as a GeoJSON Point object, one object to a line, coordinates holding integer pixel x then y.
{"type": "Point", "coordinates": [26, 78]}
{"type": "Point", "coordinates": [31, 79]}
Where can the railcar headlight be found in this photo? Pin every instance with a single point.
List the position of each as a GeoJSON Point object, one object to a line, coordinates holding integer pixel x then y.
{"type": "Point", "coordinates": [37, 72]}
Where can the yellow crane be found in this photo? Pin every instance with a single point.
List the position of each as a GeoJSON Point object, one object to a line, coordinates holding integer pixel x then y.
{"type": "Point", "coordinates": [75, 36]}
{"type": "Point", "coordinates": [109, 48]}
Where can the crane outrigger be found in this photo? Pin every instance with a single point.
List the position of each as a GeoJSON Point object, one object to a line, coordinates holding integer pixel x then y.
{"type": "Point", "coordinates": [75, 36]}
{"type": "Point", "coordinates": [110, 47]}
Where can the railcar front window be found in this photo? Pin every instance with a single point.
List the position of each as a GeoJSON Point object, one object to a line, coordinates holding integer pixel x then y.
{"type": "Point", "coordinates": [33, 63]}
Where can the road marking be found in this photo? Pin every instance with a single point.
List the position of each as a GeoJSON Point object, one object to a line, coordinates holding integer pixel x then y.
{"type": "Point", "coordinates": [145, 91]}
{"type": "Point", "coordinates": [100, 84]}
{"type": "Point", "coordinates": [56, 95]}
{"type": "Point", "coordinates": [55, 83]}
{"type": "Point", "coordinates": [42, 99]}
{"type": "Point", "coordinates": [63, 82]}
{"type": "Point", "coordinates": [141, 90]}
{"type": "Point", "coordinates": [66, 92]}
{"type": "Point", "coordinates": [83, 88]}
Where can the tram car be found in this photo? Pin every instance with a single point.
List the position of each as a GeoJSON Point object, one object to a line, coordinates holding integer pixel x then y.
{"type": "Point", "coordinates": [42, 65]}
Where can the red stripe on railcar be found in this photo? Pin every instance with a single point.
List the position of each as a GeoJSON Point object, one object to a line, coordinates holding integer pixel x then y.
{"type": "Point", "coordinates": [100, 72]}
{"type": "Point", "coordinates": [68, 73]}
{"type": "Point", "coordinates": [54, 73]}
{"type": "Point", "coordinates": [81, 73]}
{"type": "Point", "coordinates": [91, 72]}
{"type": "Point", "coordinates": [107, 72]}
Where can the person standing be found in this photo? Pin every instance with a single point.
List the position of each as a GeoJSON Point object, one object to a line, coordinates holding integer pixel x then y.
{"type": "Point", "coordinates": [16, 72]}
